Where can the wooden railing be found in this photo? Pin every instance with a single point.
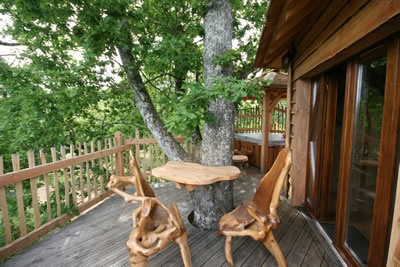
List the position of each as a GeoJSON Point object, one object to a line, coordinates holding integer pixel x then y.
{"type": "Point", "coordinates": [37, 199]}
{"type": "Point", "coordinates": [249, 120]}
{"type": "Point", "coordinates": [278, 119]}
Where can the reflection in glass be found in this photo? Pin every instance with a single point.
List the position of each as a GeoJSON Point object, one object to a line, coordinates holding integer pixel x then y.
{"type": "Point", "coordinates": [341, 79]}
{"type": "Point", "coordinates": [365, 155]}
{"type": "Point", "coordinates": [313, 141]}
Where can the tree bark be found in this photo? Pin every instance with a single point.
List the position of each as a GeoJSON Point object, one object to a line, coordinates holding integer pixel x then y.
{"type": "Point", "coordinates": [213, 201]}
{"type": "Point", "coordinates": [145, 105]}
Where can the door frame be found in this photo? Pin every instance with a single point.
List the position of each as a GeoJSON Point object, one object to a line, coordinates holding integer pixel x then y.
{"type": "Point", "coordinates": [382, 212]}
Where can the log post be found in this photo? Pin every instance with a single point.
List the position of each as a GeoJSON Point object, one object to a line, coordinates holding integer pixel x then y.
{"type": "Point", "coordinates": [266, 126]}
{"type": "Point", "coordinates": [119, 155]}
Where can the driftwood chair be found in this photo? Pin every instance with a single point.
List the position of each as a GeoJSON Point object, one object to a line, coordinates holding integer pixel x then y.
{"type": "Point", "coordinates": [154, 224]}
{"type": "Point", "coordinates": [257, 218]}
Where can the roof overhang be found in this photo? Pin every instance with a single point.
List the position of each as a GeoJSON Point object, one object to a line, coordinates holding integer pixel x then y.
{"type": "Point", "coordinates": [277, 80]}
{"type": "Point", "coordinates": [285, 20]}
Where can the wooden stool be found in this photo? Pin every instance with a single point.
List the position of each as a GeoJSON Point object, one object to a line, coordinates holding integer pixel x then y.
{"type": "Point", "coordinates": [239, 160]}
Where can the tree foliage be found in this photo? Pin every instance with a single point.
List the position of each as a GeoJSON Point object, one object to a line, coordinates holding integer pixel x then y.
{"type": "Point", "coordinates": [71, 86]}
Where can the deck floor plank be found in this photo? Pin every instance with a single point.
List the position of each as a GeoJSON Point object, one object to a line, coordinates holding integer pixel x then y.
{"type": "Point", "coordinates": [98, 237]}
{"type": "Point", "coordinates": [289, 238]}
{"type": "Point", "coordinates": [314, 255]}
{"type": "Point", "coordinates": [300, 248]}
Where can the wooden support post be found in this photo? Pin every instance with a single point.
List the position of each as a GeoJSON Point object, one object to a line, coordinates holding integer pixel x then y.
{"type": "Point", "coordinates": [47, 183]}
{"type": "Point", "coordinates": [288, 184]}
{"type": "Point", "coordinates": [4, 209]}
{"type": "Point", "coordinates": [93, 150]}
{"type": "Point", "coordinates": [300, 146]}
{"type": "Point", "coordinates": [81, 183]}
{"type": "Point", "coordinates": [20, 197]}
{"type": "Point", "coordinates": [106, 160]}
{"type": "Point", "coordinates": [72, 171]}
{"type": "Point", "coordinates": [101, 168]}
{"type": "Point", "coordinates": [56, 186]}
{"type": "Point", "coordinates": [35, 205]}
{"type": "Point", "coordinates": [120, 155]}
{"type": "Point", "coordinates": [266, 126]}
{"type": "Point", "coordinates": [89, 185]}
{"type": "Point", "coordinates": [137, 136]}
{"type": "Point", "coordinates": [66, 180]}
{"type": "Point", "coordinates": [110, 145]}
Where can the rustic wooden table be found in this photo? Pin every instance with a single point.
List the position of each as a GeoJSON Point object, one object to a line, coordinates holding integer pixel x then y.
{"type": "Point", "coordinates": [194, 175]}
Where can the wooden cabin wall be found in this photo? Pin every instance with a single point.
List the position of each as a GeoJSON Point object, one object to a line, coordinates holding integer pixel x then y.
{"type": "Point", "coordinates": [393, 258]}
{"type": "Point", "coordinates": [343, 29]}
{"type": "Point", "coordinates": [300, 117]}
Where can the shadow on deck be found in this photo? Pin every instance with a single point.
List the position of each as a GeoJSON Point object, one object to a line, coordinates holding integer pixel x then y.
{"type": "Point", "coordinates": [98, 237]}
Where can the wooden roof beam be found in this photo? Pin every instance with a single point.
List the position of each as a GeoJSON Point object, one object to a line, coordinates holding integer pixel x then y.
{"type": "Point", "coordinates": [273, 15]}
{"type": "Point", "coordinates": [294, 18]}
{"type": "Point", "coordinates": [291, 32]}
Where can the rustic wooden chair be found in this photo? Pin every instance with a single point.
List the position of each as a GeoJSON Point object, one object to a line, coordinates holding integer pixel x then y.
{"type": "Point", "coordinates": [154, 224]}
{"type": "Point", "coordinates": [257, 218]}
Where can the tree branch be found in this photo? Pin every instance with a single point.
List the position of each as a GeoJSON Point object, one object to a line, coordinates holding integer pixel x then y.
{"type": "Point", "coordinates": [158, 89]}
{"type": "Point", "coordinates": [143, 101]}
{"type": "Point", "coordinates": [157, 77]}
{"type": "Point", "coordinates": [9, 44]}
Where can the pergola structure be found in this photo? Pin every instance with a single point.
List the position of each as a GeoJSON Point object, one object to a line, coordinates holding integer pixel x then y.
{"type": "Point", "coordinates": [274, 92]}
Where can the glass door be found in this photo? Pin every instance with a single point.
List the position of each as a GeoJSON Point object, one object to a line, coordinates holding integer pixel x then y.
{"type": "Point", "coordinates": [369, 155]}
{"type": "Point", "coordinates": [369, 104]}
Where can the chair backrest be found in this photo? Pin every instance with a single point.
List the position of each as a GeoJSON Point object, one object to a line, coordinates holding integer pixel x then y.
{"type": "Point", "coordinates": [143, 189]}
{"type": "Point", "coordinates": [267, 195]}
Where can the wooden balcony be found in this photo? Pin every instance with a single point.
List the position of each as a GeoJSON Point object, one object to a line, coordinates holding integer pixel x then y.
{"type": "Point", "coordinates": [98, 237]}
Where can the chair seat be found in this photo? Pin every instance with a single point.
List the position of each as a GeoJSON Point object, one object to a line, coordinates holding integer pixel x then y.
{"type": "Point", "coordinates": [161, 216]}
{"type": "Point", "coordinates": [239, 219]}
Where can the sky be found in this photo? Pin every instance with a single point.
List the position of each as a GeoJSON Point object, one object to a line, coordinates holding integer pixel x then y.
{"type": "Point", "coordinates": [8, 52]}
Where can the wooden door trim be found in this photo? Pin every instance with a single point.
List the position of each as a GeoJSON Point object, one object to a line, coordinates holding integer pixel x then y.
{"type": "Point", "coordinates": [345, 163]}
{"type": "Point", "coordinates": [387, 159]}
{"type": "Point", "coordinates": [316, 118]}
{"type": "Point", "coordinates": [328, 145]}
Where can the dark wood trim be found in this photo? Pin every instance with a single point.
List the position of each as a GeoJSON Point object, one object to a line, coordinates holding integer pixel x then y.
{"type": "Point", "coordinates": [387, 159]}
{"type": "Point", "coordinates": [345, 164]}
{"type": "Point", "coordinates": [328, 147]}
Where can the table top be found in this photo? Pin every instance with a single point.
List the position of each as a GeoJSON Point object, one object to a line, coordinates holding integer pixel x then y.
{"type": "Point", "coordinates": [239, 158]}
{"type": "Point", "coordinates": [195, 174]}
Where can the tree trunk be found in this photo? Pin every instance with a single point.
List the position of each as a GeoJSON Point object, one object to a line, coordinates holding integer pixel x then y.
{"type": "Point", "coordinates": [213, 201]}
{"type": "Point", "coordinates": [145, 105]}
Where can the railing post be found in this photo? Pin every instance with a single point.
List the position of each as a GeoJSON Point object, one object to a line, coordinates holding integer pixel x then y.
{"type": "Point", "coordinates": [120, 155]}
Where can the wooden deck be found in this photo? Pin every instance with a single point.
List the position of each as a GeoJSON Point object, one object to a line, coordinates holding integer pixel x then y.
{"type": "Point", "coordinates": [98, 237]}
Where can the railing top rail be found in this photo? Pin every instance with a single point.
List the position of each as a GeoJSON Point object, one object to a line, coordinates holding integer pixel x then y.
{"type": "Point", "coordinates": [17, 176]}
{"type": "Point", "coordinates": [131, 141]}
